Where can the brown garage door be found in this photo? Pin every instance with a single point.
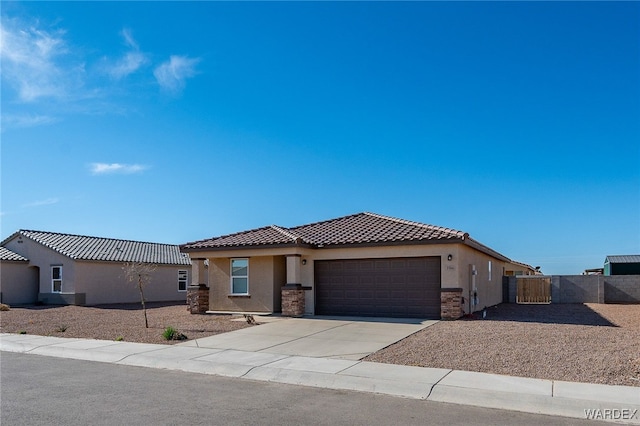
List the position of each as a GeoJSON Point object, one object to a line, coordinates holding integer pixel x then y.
{"type": "Point", "coordinates": [395, 287]}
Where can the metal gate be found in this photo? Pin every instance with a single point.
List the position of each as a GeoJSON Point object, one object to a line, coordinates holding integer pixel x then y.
{"type": "Point", "coordinates": [533, 290]}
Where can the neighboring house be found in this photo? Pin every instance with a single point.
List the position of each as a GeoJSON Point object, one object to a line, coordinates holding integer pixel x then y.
{"type": "Point", "coordinates": [364, 264]}
{"type": "Point", "coordinates": [622, 265]}
{"type": "Point", "coordinates": [18, 281]}
{"type": "Point", "coordinates": [517, 268]}
{"type": "Point", "coordinates": [82, 270]}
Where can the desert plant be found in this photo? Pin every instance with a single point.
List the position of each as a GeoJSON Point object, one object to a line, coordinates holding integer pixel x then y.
{"type": "Point", "coordinates": [171, 333]}
{"type": "Point", "coordinates": [140, 273]}
{"type": "Point", "coordinates": [4, 307]}
{"type": "Point", "coordinates": [62, 328]}
{"type": "Point", "coordinates": [119, 339]}
{"type": "Point", "coordinates": [22, 332]}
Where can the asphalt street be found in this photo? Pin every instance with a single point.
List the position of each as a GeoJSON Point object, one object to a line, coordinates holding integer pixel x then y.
{"type": "Point", "coordinates": [37, 390]}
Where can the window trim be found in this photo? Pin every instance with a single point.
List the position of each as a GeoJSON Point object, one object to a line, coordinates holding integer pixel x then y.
{"type": "Point", "coordinates": [55, 280]}
{"type": "Point", "coordinates": [490, 272]}
{"type": "Point", "coordinates": [231, 277]}
{"type": "Point", "coordinates": [184, 272]}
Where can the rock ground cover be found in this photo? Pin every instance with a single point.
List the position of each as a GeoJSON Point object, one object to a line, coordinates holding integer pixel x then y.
{"type": "Point", "coordinates": [592, 343]}
{"type": "Point", "coordinates": [584, 343]}
{"type": "Point", "coordinates": [116, 322]}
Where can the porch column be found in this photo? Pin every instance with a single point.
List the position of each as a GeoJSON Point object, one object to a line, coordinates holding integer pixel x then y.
{"type": "Point", "coordinates": [198, 292]}
{"type": "Point", "coordinates": [198, 272]}
{"type": "Point", "coordinates": [293, 269]}
{"type": "Point", "coordinates": [292, 292]}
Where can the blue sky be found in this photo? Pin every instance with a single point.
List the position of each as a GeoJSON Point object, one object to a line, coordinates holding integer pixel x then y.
{"type": "Point", "coordinates": [517, 122]}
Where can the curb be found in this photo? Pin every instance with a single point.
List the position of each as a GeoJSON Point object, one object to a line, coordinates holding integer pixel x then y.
{"type": "Point", "coordinates": [620, 404]}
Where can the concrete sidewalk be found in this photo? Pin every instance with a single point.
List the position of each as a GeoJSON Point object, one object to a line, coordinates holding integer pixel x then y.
{"type": "Point", "coordinates": [580, 400]}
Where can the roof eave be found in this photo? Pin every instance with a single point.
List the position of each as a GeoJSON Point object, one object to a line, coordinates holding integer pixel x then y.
{"type": "Point", "coordinates": [484, 249]}
{"type": "Point", "coordinates": [185, 249]}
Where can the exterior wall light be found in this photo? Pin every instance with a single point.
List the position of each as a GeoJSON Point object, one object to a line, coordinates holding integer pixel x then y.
{"type": "Point", "coordinates": [304, 261]}
{"type": "Point", "coordinates": [450, 257]}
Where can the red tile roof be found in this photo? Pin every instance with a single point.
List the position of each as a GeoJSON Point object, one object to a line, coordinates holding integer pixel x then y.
{"type": "Point", "coordinates": [358, 229]}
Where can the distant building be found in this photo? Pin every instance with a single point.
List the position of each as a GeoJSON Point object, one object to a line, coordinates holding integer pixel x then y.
{"type": "Point", "coordinates": [622, 265]}
{"type": "Point", "coordinates": [62, 269]}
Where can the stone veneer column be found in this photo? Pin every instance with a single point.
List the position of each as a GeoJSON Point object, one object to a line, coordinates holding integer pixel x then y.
{"type": "Point", "coordinates": [198, 299]}
{"type": "Point", "coordinates": [292, 300]}
{"type": "Point", "coordinates": [450, 303]}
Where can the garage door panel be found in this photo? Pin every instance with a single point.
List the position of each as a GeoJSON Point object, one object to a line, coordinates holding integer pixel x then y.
{"type": "Point", "coordinates": [393, 287]}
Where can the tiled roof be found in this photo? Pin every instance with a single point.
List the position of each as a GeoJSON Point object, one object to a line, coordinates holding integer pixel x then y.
{"type": "Point", "coordinates": [269, 235]}
{"type": "Point", "coordinates": [372, 228]}
{"type": "Point", "coordinates": [631, 258]}
{"type": "Point", "coordinates": [82, 247]}
{"type": "Point", "coordinates": [6, 254]}
{"type": "Point", "coordinates": [362, 228]}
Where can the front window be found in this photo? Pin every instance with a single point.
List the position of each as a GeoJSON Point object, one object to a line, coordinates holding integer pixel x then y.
{"type": "Point", "coordinates": [182, 280]}
{"type": "Point", "coordinates": [56, 279]}
{"type": "Point", "coordinates": [489, 270]}
{"type": "Point", "coordinates": [240, 276]}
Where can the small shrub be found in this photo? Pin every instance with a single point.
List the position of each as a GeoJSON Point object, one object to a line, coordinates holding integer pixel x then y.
{"type": "Point", "coordinates": [171, 333]}
{"type": "Point", "coordinates": [62, 328]}
{"type": "Point", "coordinates": [4, 307]}
{"type": "Point", "coordinates": [119, 339]}
{"type": "Point", "coordinates": [22, 332]}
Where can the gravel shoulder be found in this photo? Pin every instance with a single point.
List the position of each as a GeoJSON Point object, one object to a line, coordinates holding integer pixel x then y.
{"type": "Point", "coordinates": [584, 343]}
{"type": "Point", "coordinates": [591, 343]}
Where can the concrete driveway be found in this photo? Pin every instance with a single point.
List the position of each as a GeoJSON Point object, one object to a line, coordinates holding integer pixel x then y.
{"type": "Point", "coordinates": [324, 337]}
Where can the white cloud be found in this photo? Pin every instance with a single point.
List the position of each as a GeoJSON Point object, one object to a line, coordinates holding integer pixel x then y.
{"type": "Point", "coordinates": [26, 120]}
{"type": "Point", "coordinates": [128, 38]}
{"type": "Point", "coordinates": [171, 75]}
{"type": "Point", "coordinates": [39, 203]}
{"type": "Point", "coordinates": [130, 61]}
{"type": "Point", "coordinates": [30, 61]}
{"type": "Point", "coordinates": [113, 168]}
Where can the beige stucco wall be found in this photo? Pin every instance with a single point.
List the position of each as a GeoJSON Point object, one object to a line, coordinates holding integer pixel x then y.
{"type": "Point", "coordinates": [264, 283]}
{"type": "Point", "coordinates": [266, 277]}
{"type": "Point", "coordinates": [489, 290]}
{"type": "Point", "coordinates": [105, 282]}
{"type": "Point", "coordinates": [44, 258]}
{"type": "Point", "coordinates": [101, 282]}
{"type": "Point", "coordinates": [18, 283]}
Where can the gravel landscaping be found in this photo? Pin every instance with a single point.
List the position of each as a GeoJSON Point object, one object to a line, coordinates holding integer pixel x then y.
{"type": "Point", "coordinates": [584, 343]}
{"type": "Point", "coordinates": [116, 322]}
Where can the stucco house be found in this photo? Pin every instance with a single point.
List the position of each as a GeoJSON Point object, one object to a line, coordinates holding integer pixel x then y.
{"type": "Point", "coordinates": [18, 282]}
{"type": "Point", "coordinates": [84, 270]}
{"type": "Point", "coordinates": [364, 264]}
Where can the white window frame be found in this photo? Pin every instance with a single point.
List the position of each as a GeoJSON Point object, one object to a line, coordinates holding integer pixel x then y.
{"type": "Point", "coordinates": [56, 280]}
{"type": "Point", "coordinates": [231, 276]}
{"type": "Point", "coordinates": [183, 277]}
